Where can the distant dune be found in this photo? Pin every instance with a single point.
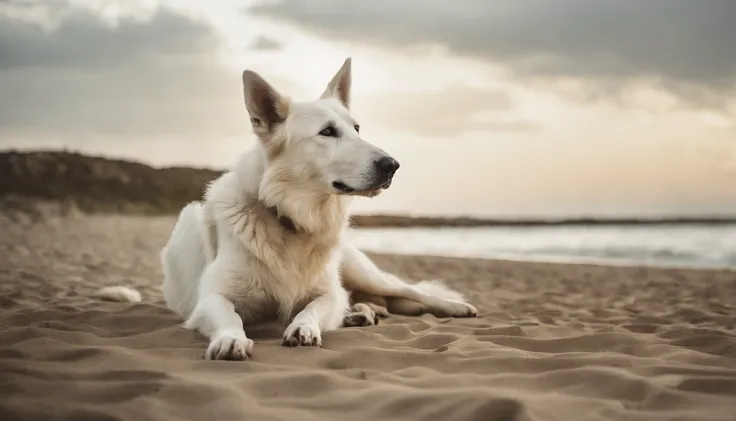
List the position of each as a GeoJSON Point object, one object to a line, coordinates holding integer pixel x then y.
{"type": "Point", "coordinates": [98, 185]}
{"type": "Point", "coordinates": [75, 182]}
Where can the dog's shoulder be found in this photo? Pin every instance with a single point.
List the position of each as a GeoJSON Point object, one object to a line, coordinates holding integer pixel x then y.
{"type": "Point", "coordinates": [231, 203]}
{"type": "Point", "coordinates": [231, 194]}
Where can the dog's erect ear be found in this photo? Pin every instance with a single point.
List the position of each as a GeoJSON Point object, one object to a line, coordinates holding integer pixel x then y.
{"type": "Point", "coordinates": [339, 86]}
{"type": "Point", "coordinates": [265, 105]}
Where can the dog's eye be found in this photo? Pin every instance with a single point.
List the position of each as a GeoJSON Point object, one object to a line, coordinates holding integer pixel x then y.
{"type": "Point", "coordinates": [357, 128]}
{"type": "Point", "coordinates": [329, 131]}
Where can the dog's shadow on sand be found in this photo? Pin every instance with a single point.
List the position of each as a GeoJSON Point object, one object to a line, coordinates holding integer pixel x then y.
{"type": "Point", "coordinates": [264, 331]}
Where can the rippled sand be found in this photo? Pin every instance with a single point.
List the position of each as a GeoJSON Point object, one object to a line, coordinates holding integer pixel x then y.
{"type": "Point", "coordinates": [552, 342]}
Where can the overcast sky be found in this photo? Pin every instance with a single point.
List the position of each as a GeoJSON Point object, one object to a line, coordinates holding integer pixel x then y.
{"type": "Point", "coordinates": [502, 108]}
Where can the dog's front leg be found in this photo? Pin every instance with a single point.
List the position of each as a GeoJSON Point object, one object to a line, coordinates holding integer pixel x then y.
{"type": "Point", "coordinates": [215, 317]}
{"type": "Point", "coordinates": [326, 312]}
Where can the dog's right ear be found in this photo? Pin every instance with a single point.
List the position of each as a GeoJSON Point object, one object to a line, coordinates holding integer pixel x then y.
{"type": "Point", "coordinates": [266, 107]}
{"type": "Point", "coordinates": [339, 86]}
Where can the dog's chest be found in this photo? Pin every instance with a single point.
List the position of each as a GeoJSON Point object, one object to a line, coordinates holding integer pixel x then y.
{"type": "Point", "coordinates": [288, 271]}
{"type": "Point", "coordinates": [311, 257]}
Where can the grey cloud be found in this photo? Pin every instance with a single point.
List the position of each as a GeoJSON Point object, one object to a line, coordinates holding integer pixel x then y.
{"type": "Point", "coordinates": [679, 41]}
{"type": "Point", "coordinates": [264, 43]}
{"type": "Point", "coordinates": [137, 79]}
{"type": "Point", "coordinates": [84, 41]}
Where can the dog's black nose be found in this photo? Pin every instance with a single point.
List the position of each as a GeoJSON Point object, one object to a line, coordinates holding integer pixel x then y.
{"type": "Point", "coordinates": [387, 165]}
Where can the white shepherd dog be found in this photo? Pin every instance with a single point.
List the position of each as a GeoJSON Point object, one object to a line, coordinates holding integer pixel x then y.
{"type": "Point", "coordinates": [268, 239]}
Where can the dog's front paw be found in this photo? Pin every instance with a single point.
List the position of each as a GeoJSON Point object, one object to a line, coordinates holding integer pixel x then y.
{"type": "Point", "coordinates": [302, 335]}
{"type": "Point", "coordinates": [228, 346]}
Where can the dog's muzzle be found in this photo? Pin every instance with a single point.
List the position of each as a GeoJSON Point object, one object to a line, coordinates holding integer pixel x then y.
{"type": "Point", "coordinates": [386, 167]}
{"type": "Point", "coordinates": [384, 170]}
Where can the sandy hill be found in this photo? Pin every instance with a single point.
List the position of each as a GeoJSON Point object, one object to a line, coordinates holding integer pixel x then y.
{"type": "Point", "coordinates": [95, 184]}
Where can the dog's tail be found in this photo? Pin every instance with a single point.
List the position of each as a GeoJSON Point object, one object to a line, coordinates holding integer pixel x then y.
{"type": "Point", "coordinates": [119, 294]}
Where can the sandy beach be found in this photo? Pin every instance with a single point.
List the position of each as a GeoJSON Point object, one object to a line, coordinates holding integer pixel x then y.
{"type": "Point", "coordinates": [552, 342]}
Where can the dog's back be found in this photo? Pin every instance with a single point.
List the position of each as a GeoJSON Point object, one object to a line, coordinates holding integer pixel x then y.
{"type": "Point", "coordinates": [189, 250]}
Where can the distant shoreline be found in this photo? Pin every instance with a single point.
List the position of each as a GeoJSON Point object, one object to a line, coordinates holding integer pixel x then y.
{"type": "Point", "coordinates": [50, 207]}
{"type": "Point", "coordinates": [399, 221]}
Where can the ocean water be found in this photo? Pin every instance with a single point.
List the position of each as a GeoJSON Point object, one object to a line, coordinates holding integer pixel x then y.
{"type": "Point", "coordinates": [697, 246]}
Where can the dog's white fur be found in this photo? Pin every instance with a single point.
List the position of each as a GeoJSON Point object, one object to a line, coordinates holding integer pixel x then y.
{"type": "Point", "coordinates": [267, 240]}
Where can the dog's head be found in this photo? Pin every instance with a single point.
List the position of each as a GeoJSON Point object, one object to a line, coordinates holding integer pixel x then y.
{"type": "Point", "coordinates": [316, 144]}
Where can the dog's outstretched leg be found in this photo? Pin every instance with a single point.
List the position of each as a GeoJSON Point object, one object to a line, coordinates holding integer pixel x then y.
{"type": "Point", "coordinates": [359, 273]}
{"type": "Point", "coordinates": [324, 313]}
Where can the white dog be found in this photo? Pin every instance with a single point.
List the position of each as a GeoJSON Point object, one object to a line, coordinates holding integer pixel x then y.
{"type": "Point", "coordinates": [268, 239]}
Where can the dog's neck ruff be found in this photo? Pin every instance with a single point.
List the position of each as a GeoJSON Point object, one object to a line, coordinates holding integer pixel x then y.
{"type": "Point", "coordinates": [286, 222]}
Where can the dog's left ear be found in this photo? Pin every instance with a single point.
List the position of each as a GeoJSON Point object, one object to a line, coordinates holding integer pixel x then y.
{"type": "Point", "coordinates": [339, 86]}
{"type": "Point", "coordinates": [266, 107]}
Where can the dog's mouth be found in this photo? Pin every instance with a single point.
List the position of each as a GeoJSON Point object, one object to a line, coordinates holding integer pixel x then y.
{"type": "Point", "coordinates": [342, 187]}
{"type": "Point", "coordinates": [369, 192]}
